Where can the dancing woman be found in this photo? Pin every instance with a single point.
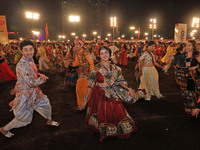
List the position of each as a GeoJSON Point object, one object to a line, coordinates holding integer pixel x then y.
{"type": "Point", "coordinates": [106, 113]}
{"type": "Point", "coordinates": [191, 63]}
{"type": "Point", "coordinates": [149, 75]}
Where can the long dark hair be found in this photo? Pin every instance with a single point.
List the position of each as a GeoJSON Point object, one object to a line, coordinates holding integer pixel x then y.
{"type": "Point", "coordinates": [194, 44]}
{"type": "Point", "coordinates": [105, 48]}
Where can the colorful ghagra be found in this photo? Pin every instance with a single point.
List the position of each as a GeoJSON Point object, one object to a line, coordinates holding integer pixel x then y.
{"type": "Point", "coordinates": [106, 113]}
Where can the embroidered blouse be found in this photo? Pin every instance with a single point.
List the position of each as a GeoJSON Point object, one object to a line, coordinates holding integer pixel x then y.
{"type": "Point", "coordinates": [110, 78]}
{"type": "Point", "coordinates": [146, 58]}
{"type": "Point", "coordinates": [85, 64]}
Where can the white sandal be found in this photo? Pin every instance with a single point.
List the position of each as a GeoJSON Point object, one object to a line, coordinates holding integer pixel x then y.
{"type": "Point", "coordinates": [54, 124]}
{"type": "Point", "coordinates": [8, 134]}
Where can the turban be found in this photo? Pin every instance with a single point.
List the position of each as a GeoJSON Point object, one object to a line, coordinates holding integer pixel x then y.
{"type": "Point", "coordinates": [79, 41]}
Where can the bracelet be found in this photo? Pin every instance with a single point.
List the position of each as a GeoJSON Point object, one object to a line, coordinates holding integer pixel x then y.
{"type": "Point", "coordinates": [86, 98]}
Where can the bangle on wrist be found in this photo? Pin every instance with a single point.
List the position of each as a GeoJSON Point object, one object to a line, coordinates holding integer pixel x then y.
{"type": "Point", "coordinates": [86, 98]}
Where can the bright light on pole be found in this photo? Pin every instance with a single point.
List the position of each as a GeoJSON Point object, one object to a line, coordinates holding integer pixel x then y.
{"type": "Point", "coordinates": [32, 15]}
{"type": "Point", "coordinates": [113, 23]}
{"type": "Point", "coordinates": [132, 28]}
{"type": "Point", "coordinates": [73, 34]}
{"type": "Point", "coordinates": [84, 35]}
{"type": "Point", "coordinates": [94, 33]}
{"type": "Point", "coordinates": [61, 36]}
{"type": "Point", "coordinates": [74, 18]}
{"type": "Point", "coordinates": [195, 25]}
{"type": "Point", "coordinates": [152, 25]}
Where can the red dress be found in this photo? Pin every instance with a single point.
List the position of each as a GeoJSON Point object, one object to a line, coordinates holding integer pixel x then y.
{"type": "Point", "coordinates": [107, 116]}
{"type": "Point", "coordinates": [123, 59]}
{"type": "Point", "coordinates": [5, 72]}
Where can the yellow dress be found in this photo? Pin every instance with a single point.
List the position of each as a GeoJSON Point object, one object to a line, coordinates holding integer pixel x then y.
{"type": "Point", "coordinates": [170, 52]}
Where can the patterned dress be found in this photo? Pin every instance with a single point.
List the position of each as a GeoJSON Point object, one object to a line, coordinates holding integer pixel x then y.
{"type": "Point", "coordinates": [106, 113]}
{"type": "Point", "coordinates": [85, 65]}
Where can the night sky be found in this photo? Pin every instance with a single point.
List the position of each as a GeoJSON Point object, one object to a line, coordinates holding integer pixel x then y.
{"type": "Point", "coordinates": [128, 12]}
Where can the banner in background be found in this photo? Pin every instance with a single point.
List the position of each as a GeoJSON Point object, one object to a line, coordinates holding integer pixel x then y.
{"type": "Point", "coordinates": [3, 30]}
{"type": "Point", "coordinates": [180, 33]}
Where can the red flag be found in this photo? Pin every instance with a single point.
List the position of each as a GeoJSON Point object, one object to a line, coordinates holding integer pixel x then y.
{"type": "Point", "coordinates": [139, 33]}
{"type": "Point", "coordinates": [47, 32]}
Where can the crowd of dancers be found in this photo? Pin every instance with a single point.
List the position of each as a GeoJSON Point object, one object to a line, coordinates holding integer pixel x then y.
{"type": "Point", "coordinates": [94, 69]}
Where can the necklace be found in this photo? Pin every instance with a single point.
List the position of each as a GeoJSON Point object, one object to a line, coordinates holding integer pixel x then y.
{"type": "Point", "coordinates": [109, 73]}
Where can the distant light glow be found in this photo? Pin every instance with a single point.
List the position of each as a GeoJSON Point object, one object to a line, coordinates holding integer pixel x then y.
{"type": "Point", "coordinates": [195, 22]}
{"type": "Point", "coordinates": [132, 28]}
{"type": "Point", "coordinates": [74, 18]}
{"type": "Point", "coordinates": [194, 31]}
{"type": "Point", "coordinates": [32, 15]}
{"type": "Point", "coordinates": [113, 21]}
{"type": "Point", "coordinates": [36, 32]}
{"type": "Point", "coordinates": [73, 34]}
{"type": "Point", "coordinates": [62, 36]}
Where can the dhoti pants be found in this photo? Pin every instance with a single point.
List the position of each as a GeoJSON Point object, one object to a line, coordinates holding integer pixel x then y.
{"type": "Point", "coordinates": [23, 116]}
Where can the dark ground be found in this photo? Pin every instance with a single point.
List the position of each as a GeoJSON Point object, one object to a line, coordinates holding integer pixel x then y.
{"type": "Point", "coordinates": [162, 123]}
